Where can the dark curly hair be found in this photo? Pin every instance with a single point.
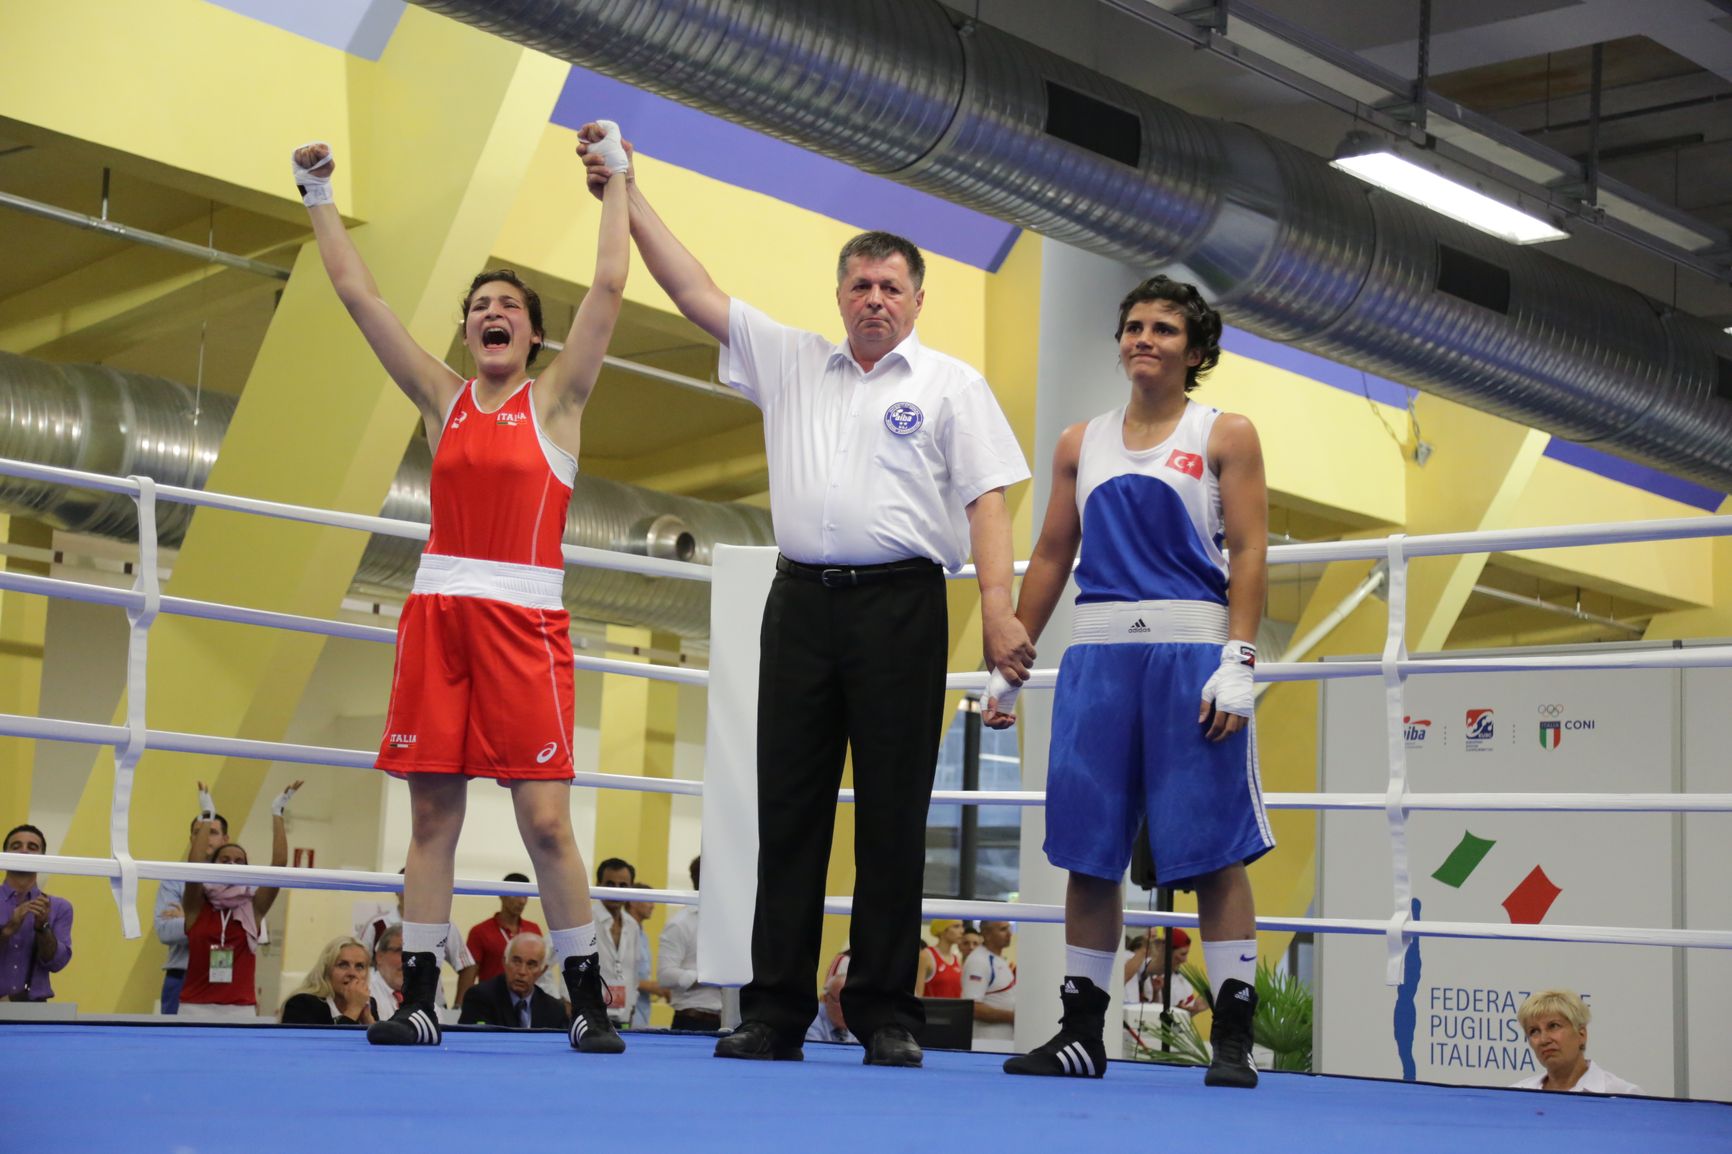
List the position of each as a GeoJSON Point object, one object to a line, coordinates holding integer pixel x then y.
{"type": "Point", "coordinates": [1202, 321]}
{"type": "Point", "coordinates": [531, 301]}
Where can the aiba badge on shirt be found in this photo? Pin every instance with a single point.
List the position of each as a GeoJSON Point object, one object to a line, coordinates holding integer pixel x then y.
{"type": "Point", "coordinates": [904, 418]}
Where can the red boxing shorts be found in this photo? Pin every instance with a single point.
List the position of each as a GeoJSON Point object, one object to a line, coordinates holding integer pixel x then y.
{"type": "Point", "coordinates": [481, 688]}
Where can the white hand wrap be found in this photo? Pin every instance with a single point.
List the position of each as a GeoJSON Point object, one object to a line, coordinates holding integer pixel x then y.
{"type": "Point", "coordinates": [1231, 689]}
{"type": "Point", "coordinates": [1001, 692]}
{"type": "Point", "coordinates": [315, 189]}
{"type": "Point", "coordinates": [206, 806]}
{"type": "Point", "coordinates": [609, 148]}
{"type": "Point", "coordinates": [280, 806]}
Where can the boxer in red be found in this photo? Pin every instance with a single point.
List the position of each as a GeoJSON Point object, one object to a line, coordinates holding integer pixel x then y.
{"type": "Point", "coordinates": [482, 685]}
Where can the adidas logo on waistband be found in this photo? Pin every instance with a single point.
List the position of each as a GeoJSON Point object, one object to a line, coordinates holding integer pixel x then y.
{"type": "Point", "coordinates": [1139, 627]}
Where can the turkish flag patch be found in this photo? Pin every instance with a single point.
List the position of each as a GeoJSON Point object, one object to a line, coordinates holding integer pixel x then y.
{"type": "Point", "coordinates": [1191, 464]}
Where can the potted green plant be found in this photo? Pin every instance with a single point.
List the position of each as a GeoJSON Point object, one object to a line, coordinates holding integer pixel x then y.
{"type": "Point", "coordinates": [1281, 1026]}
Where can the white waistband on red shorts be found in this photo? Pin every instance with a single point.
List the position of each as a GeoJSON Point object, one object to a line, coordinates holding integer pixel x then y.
{"type": "Point", "coordinates": [1148, 622]}
{"type": "Point", "coordinates": [531, 586]}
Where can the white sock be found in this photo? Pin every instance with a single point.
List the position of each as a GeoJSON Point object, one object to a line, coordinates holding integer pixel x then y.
{"type": "Point", "coordinates": [575, 942]}
{"type": "Point", "coordinates": [425, 937]}
{"type": "Point", "coordinates": [1228, 960]}
{"type": "Point", "coordinates": [1095, 965]}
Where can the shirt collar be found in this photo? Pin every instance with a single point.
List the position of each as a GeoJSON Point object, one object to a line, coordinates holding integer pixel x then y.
{"type": "Point", "coordinates": [17, 895]}
{"type": "Point", "coordinates": [909, 350]}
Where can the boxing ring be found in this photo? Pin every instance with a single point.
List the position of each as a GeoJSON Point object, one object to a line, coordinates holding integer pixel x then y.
{"type": "Point", "coordinates": [287, 1088]}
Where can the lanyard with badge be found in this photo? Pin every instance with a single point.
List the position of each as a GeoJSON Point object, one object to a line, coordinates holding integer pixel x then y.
{"type": "Point", "coordinates": [222, 960]}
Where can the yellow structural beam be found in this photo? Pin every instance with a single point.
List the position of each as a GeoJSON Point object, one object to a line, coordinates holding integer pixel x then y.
{"type": "Point", "coordinates": [1713, 619]}
{"type": "Point", "coordinates": [639, 718]}
{"type": "Point", "coordinates": [183, 92]}
{"type": "Point", "coordinates": [1350, 472]}
{"type": "Point", "coordinates": [318, 422]}
{"type": "Point", "coordinates": [1473, 480]}
{"type": "Point", "coordinates": [1676, 574]}
{"type": "Point", "coordinates": [728, 459]}
{"type": "Point", "coordinates": [121, 301]}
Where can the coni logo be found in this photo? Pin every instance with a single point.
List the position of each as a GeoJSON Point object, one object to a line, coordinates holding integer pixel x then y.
{"type": "Point", "coordinates": [1553, 723]}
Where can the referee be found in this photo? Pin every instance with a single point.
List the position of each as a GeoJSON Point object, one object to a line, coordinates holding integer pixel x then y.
{"type": "Point", "coordinates": [888, 463]}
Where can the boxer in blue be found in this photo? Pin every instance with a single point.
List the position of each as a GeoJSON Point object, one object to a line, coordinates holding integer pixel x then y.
{"type": "Point", "coordinates": [1152, 713]}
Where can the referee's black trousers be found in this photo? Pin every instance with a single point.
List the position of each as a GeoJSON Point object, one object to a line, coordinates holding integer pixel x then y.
{"type": "Point", "coordinates": [859, 667]}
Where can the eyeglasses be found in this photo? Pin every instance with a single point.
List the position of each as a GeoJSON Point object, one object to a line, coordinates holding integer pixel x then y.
{"type": "Point", "coordinates": [388, 950]}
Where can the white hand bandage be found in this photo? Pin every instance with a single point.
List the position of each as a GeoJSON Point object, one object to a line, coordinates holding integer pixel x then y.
{"type": "Point", "coordinates": [315, 189]}
{"type": "Point", "coordinates": [1230, 689]}
{"type": "Point", "coordinates": [1001, 692]}
{"type": "Point", "coordinates": [280, 806]}
{"type": "Point", "coordinates": [609, 148]}
{"type": "Point", "coordinates": [206, 805]}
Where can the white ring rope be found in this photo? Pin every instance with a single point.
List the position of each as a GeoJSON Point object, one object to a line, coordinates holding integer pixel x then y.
{"type": "Point", "coordinates": [286, 877]}
{"type": "Point", "coordinates": [144, 602]}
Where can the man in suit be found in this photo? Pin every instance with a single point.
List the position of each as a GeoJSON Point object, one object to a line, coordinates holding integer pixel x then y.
{"type": "Point", "coordinates": [512, 999]}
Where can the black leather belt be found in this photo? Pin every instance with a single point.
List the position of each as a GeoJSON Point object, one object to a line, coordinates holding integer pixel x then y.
{"type": "Point", "coordinates": [846, 576]}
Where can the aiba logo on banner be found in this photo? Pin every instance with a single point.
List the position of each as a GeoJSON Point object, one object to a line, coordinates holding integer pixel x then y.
{"type": "Point", "coordinates": [1415, 730]}
{"type": "Point", "coordinates": [1480, 729]}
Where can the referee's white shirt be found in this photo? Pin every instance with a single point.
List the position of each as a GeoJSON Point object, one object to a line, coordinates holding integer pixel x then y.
{"type": "Point", "coordinates": [872, 467]}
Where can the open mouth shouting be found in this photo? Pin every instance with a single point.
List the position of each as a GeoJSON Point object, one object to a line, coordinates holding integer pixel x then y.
{"type": "Point", "coordinates": [495, 337]}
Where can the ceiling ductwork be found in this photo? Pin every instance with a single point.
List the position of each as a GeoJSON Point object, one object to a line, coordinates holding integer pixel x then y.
{"type": "Point", "coordinates": [1288, 248]}
{"type": "Point", "coordinates": [102, 420]}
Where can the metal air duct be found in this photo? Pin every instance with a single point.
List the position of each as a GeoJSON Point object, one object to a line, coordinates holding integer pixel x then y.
{"type": "Point", "coordinates": [103, 420]}
{"type": "Point", "coordinates": [1289, 248]}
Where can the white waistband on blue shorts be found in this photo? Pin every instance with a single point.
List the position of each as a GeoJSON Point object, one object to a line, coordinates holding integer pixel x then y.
{"type": "Point", "coordinates": [531, 586]}
{"type": "Point", "coordinates": [1148, 622]}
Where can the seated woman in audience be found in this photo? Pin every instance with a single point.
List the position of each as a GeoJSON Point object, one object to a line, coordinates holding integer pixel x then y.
{"type": "Point", "coordinates": [1556, 1024]}
{"type": "Point", "coordinates": [335, 990]}
{"type": "Point", "coordinates": [226, 923]}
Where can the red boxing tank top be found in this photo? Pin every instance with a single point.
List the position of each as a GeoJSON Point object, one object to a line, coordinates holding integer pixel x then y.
{"type": "Point", "coordinates": [500, 488]}
{"type": "Point", "coordinates": [946, 979]}
{"type": "Point", "coordinates": [210, 930]}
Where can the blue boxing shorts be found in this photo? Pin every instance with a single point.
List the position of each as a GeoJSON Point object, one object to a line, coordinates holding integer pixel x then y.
{"type": "Point", "coordinates": [1126, 742]}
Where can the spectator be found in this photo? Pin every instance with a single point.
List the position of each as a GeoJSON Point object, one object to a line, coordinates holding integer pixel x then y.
{"type": "Point", "coordinates": [170, 924]}
{"type": "Point", "coordinates": [225, 924]}
{"type": "Point", "coordinates": [487, 940]}
{"type": "Point", "coordinates": [647, 989]}
{"type": "Point", "coordinates": [990, 981]}
{"type": "Point", "coordinates": [35, 929]}
{"type": "Point", "coordinates": [940, 974]}
{"type": "Point", "coordinates": [619, 934]}
{"type": "Point", "coordinates": [386, 983]}
{"type": "Point", "coordinates": [696, 1006]}
{"type": "Point", "coordinates": [1556, 1024]}
{"type": "Point", "coordinates": [335, 990]}
{"type": "Point", "coordinates": [970, 941]}
{"type": "Point", "coordinates": [512, 998]}
{"type": "Point", "coordinates": [457, 955]}
{"type": "Point", "coordinates": [830, 1025]}
{"type": "Point", "coordinates": [1145, 972]}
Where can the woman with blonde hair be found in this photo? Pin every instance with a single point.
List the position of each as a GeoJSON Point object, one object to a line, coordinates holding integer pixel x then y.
{"type": "Point", "coordinates": [334, 992]}
{"type": "Point", "coordinates": [1556, 1025]}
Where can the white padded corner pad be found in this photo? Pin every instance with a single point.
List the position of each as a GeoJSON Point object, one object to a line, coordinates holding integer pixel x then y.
{"type": "Point", "coordinates": [1148, 622]}
{"type": "Point", "coordinates": [531, 586]}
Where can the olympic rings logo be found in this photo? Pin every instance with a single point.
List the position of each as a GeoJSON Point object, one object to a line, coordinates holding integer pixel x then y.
{"type": "Point", "coordinates": [1551, 711]}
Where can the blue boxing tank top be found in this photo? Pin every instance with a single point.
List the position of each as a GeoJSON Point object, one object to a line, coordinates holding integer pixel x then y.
{"type": "Point", "coordinates": [1151, 518]}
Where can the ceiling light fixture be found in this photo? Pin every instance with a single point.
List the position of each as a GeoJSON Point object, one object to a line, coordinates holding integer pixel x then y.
{"type": "Point", "coordinates": [1375, 161]}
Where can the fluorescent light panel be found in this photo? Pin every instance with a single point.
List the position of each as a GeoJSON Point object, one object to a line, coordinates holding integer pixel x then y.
{"type": "Point", "coordinates": [1440, 194]}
